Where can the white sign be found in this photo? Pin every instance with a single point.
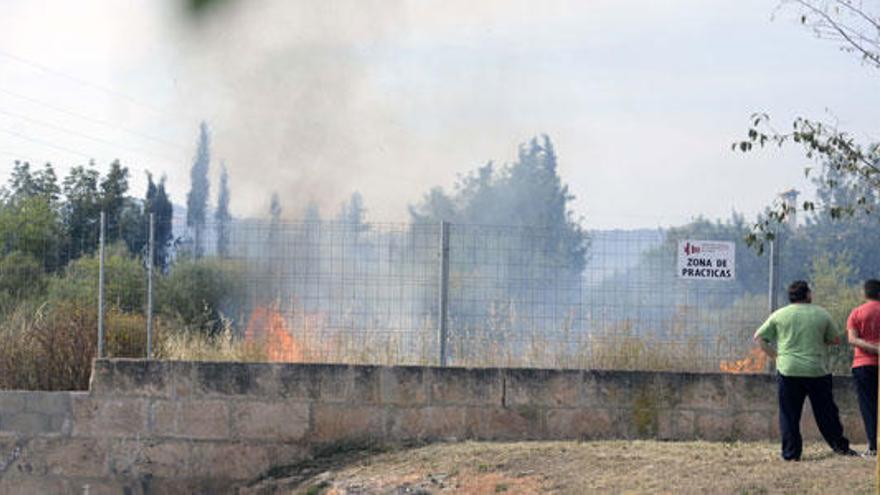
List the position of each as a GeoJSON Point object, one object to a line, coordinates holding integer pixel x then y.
{"type": "Point", "coordinates": [706, 260]}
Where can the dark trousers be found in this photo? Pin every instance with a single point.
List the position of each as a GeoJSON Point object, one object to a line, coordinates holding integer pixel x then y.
{"type": "Point", "coordinates": [866, 389]}
{"type": "Point", "coordinates": [792, 392]}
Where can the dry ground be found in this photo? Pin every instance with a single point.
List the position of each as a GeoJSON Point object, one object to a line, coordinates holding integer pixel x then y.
{"type": "Point", "coordinates": [577, 467]}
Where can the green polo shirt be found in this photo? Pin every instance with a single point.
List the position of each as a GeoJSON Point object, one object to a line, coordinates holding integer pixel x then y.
{"type": "Point", "coordinates": [801, 333]}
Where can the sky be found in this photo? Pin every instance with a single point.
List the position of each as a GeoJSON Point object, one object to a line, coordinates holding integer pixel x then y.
{"type": "Point", "coordinates": [315, 100]}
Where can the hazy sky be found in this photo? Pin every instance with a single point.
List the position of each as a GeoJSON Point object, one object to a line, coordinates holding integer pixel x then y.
{"type": "Point", "coordinates": [317, 99]}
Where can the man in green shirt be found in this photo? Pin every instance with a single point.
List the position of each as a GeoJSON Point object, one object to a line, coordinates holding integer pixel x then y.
{"type": "Point", "coordinates": [802, 333]}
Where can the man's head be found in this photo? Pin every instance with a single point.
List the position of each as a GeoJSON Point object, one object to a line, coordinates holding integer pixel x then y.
{"type": "Point", "coordinates": [872, 289]}
{"type": "Point", "coordinates": [799, 292]}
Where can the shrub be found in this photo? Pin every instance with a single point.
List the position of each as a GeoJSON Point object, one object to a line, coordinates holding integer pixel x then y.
{"type": "Point", "coordinates": [831, 289]}
{"type": "Point", "coordinates": [21, 277]}
{"type": "Point", "coordinates": [124, 281]}
{"type": "Point", "coordinates": [198, 292]}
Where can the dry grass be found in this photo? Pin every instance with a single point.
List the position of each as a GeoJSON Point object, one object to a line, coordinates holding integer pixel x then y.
{"type": "Point", "coordinates": [44, 348]}
{"type": "Point", "coordinates": [194, 345]}
{"type": "Point", "coordinates": [588, 467]}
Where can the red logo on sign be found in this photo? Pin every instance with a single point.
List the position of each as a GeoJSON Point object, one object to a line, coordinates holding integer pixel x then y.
{"type": "Point", "coordinates": [690, 249]}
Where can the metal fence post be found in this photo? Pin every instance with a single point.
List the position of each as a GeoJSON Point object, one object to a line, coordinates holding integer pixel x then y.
{"type": "Point", "coordinates": [151, 256]}
{"type": "Point", "coordinates": [101, 288]}
{"type": "Point", "coordinates": [773, 291]}
{"type": "Point", "coordinates": [444, 289]}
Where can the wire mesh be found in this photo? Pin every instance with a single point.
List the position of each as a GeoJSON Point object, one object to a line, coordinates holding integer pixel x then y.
{"type": "Point", "coordinates": [517, 296]}
{"type": "Point", "coordinates": [520, 299]}
{"type": "Point", "coordinates": [331, 292]}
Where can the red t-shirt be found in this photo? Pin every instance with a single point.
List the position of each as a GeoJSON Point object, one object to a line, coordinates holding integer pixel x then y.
{"type": "Point", "coordinates": [865, 320]}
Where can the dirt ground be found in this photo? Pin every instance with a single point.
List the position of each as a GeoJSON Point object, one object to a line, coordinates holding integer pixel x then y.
{"type": "Point", "coordinates": [577, 467]}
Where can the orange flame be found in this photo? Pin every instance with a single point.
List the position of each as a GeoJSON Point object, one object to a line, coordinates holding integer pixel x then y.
{"type": "Point", "coordinates": [267, 325]}
{"type": "Point", "coordinates": [754, 362]}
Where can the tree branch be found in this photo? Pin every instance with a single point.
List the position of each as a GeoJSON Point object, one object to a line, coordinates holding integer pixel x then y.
{"type": "Point", "coordinates": [835, 26]}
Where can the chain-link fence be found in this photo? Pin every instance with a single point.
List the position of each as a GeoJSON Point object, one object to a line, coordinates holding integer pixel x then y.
{"type": "Point", "coordinates": [440, 294]}
{"type": "Point", "coordinates": [429, 294]}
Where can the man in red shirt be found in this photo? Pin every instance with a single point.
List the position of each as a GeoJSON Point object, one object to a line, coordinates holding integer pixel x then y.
{"type": "Point", "coordinates": [863, 330]}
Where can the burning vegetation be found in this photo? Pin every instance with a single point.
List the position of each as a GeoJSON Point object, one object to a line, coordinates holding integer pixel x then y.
{"type": "Point", "coordinates": [754, 362]}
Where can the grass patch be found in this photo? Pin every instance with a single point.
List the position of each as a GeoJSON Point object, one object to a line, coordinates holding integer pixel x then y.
{"type": "Point", "coordinates": [589, 467]}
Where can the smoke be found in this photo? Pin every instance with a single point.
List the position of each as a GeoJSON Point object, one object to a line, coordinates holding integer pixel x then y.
{"type": "Point", "coordinates": [315, 100]}
{"type": "Point", "coordinates": [289, 99]}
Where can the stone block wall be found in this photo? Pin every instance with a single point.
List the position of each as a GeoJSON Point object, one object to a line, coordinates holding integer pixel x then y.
{"type": "Point", "coordinates": [160, 427]}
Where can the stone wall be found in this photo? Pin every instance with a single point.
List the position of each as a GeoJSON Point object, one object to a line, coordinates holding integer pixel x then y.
{"type": "Point", "coordinates": [158, 427]}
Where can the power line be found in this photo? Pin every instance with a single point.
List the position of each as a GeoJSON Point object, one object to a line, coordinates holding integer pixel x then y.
{"type": "Point", "coordinates": [9, 153]}
{"type": "Point", "coordinates": [45, 143]}
{"type": "Point", "coordinates": [22, 157]}
{"type": "Point", "coordinates": [91, 119]}
{"type": "Point", "coordinates": [80, 134]}
{"type": "Point", "coordinates": [78, 80]}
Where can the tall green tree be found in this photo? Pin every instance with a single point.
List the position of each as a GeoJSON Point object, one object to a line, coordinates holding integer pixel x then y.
{"type": "Point", "coordinates": [30, 219]}
{"type": "Point", "coordinates": [526, 193]}
{"type": "Point", "coordinates": [114, 200]}
{"type": "Point", "coordinates": [312, 212]}
{"type": "Point", "coordinates": [33, 227]}
{"type": "Point", "coordinates": [157, 203]}
{"type": "Point", "coordinates": [81, 209]}
{"type": "Point", "coordinates": [221, 215]}
{"type": "Point", "coordinates": [21, 182]}
{"type": "Point", "coordinates": [25, 183]}
{"type": "Point", "coordinates": [275, 209]}
{"type": "Point", "coordinates": [46, 183]}
{"type": "Point", "coordinates": [164, 211]}
{"type": "Point", "coordinates": [353, 214]}
{"type": "Point", "coordinates": [197, 198]}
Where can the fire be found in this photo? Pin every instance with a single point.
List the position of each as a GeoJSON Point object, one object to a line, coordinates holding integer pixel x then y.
{"type": "Point", "coordinates": [267, 325]}
{"type": "Point", "coordinates": [754, 362]}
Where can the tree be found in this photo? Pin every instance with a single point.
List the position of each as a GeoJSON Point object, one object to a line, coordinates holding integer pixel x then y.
{"type": "Point", "coordinates": [46, 184]}
{"type": "Point", "coordinates": [156, 202]}
{"type": "Point", "coordinates": [30, 221]}
{"type": "Point", "coordinates": [114, 200]}
{"type": "Point", "coordinates": [275, 208]}
{"type": "Point", "coordinates": [221, 215]}
{"type": "Point", "coordinates": [312, 212]}
{"type": "Point", "coordinates": [856, 27]}
{"type": "Point", "coordinates": [31, 226]}
{"type": "Point", "coordinates": [352, 214]}
{"type": "Point", "coordinates": [164, 214]}
{"type": "Point", "coordinates": [81, 210]}
{"type": "Point", "coordinates": [513, 226]}
{"type": "Point", "coordinates": [21, 183]}
{"type": "Point", "coordinates": [855, 239]}
{"type": "Point", "coordinates": [526, 193]}
{"type": "Point", "coordinates": [134, 225]}
{"type": "Point", "coordinates": [197, 198]}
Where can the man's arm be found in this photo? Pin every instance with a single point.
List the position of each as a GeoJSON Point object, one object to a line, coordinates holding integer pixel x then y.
{"type": "Point", "coordinates": [764, 345]}
{"type": "Point", "coordinates": [832, 331]}
{"type": "Point", "coordinates": [855, 341]}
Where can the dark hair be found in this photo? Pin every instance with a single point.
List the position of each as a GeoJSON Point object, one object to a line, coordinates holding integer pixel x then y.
{"type": "Point", "coordinates": [798, 291]}
{"type": "Point", "coordinates": [872, 289]}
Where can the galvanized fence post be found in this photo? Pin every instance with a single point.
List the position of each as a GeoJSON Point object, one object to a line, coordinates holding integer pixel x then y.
{"type": "Point", "coordinates": [773, 286]}
{"type": "Point", "coordinates": [151, 256]}
{"type": "Point", "coordinates": [101, 287]}
{"type": "Point", "coordinates": [444, 290]}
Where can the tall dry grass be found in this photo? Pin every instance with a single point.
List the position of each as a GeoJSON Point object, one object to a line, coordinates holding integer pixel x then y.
{"type": "Point", "coordinates": [180, 343]}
